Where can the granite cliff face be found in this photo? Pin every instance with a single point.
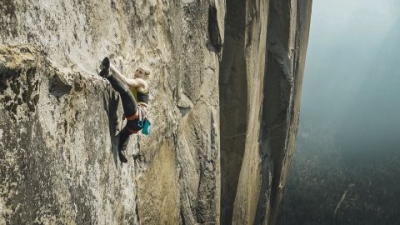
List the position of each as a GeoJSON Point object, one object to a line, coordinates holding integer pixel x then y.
{"type": "Point", "coordinates": [260, 91]}
{"type": "Point", "coordinates": [225, 96]}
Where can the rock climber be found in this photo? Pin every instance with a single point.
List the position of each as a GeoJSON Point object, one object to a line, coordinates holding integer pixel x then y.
{"type": "Point", "coordinates": [134, 94]}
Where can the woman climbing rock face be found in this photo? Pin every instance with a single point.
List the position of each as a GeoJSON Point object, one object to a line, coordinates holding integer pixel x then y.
{"type": "Point", "coordinates": [134, 94]}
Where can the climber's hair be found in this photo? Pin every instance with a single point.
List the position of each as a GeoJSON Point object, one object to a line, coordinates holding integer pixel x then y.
{"type": "Point", "coordinates": [146, 71]}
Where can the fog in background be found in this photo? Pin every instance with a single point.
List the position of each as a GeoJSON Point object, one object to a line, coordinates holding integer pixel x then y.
{"type": "Point", "coordinates": [346, 167]}
{"type": "Point", "coordinates": [352, 75]}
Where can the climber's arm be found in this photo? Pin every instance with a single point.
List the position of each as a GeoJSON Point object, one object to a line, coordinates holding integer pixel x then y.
{"type": "Point", "coordinates": [118, 74]}
{"type": "Point", "coordinates": [137, 83]}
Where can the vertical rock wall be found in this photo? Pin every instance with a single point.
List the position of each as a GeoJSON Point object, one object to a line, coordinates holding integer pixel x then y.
{"type": "Point", "coordinates": [241, 93]}
{"type": "Point", "coordinates": [58, 157]}
{"type": "Point", "coordinates": [225, 93]}
{"type": "Point", "coordinates": [287, 46]}
{"type": "Point", "coordinates": [260, 92]}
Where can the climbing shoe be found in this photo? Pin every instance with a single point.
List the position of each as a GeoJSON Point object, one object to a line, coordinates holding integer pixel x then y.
{"type": "Point", "coordinates": [122, 158]}
{"type": "Point", "coordinates": [105, 67]}
{"type": "Point", "coordinates": [106, 63]}
{"type": "Point", "coordinates": [122, 146]}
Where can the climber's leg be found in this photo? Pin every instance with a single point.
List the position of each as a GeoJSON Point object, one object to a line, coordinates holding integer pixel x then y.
{"type": "Point", "coordinates": [131, 127]}
{"type": "Point", "coordinates": [128, 101]}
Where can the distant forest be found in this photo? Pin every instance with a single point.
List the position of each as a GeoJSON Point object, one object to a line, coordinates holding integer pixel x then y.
{"type": "Point", "coordinates": [346, 167]}
{"type": "Point", "coordinates": [330, 186]}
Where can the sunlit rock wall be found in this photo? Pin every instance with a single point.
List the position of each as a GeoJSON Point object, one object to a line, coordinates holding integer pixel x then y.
{"type": "Point", "coordinates": [58, 156]}
{"type": "Point", "coordinates": [240, 62]}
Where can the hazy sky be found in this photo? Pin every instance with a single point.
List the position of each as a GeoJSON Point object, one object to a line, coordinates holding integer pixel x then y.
{"type": "Point", "coordinates": [352, 75]}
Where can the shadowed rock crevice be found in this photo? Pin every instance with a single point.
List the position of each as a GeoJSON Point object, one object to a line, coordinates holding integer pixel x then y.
{"type": "Point", "coordinates": [58, 87]}
{"type": "Point", "coordinates": [233, 105]}
{"type": "Point", "coordinates": [213, 28]}
{"type": "Point", "coordinates": [5, 74]}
